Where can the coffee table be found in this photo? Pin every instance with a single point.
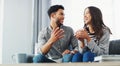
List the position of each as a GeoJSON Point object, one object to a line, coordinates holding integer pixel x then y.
{"type": "Point", "coordinates": [106, 58]}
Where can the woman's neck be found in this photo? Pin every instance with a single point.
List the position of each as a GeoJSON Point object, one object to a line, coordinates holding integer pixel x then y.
{"type": "Point", "coordinates": [90, 28]}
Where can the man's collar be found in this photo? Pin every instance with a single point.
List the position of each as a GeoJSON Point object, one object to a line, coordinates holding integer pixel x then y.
{"type": "Point", "coordinates": [51, 27]}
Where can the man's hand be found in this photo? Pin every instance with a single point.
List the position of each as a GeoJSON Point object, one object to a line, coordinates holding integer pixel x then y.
{"type": "Point", "coordinates": [69, 52]}
{"type": "Point", "coordinates": [56, 34]}
{"type": "Point", "coordinates": [66, 52]}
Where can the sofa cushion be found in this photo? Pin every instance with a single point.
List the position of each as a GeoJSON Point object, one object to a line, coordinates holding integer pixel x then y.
{"type": "Point", "coordinates": [114, 47]}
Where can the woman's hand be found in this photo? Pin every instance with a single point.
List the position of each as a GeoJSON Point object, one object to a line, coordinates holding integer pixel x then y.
{"type": "Point", "coordinates": [82, 34]}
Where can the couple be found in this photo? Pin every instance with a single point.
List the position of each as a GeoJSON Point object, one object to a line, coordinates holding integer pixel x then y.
{"type": "Point", "coordinates": [57, 43]}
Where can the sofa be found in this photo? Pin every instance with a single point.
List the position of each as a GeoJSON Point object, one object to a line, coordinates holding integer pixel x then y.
{"type": "Point", "coordinates": [114, 49]}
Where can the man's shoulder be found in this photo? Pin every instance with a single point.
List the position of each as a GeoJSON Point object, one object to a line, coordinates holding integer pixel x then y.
{"type": "Point", "coordinates": [44, 30]}
{"type": "Point", "coordinates": [67, 27]}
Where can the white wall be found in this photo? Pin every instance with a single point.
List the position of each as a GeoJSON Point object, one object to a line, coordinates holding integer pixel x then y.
{"type": "Point", "coordinates": [17, 28]}
{"type": "Point", "coordinates": [116, 22]}
{"type": "Point", "coordinates": [1, 28]}
{"type": "Point", "coordinates": [74, 10]}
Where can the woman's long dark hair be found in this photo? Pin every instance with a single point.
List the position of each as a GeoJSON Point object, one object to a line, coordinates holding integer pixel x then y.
{"type": "Point", "coordinates": [97, 21]}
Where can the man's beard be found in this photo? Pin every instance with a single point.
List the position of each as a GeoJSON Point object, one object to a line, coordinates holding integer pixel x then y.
{"type": "Point", "coordinates": [58, 23]}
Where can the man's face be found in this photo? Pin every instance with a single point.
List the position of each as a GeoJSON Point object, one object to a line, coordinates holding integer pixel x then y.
{"type": "Point", "coordinates": [60, 15]}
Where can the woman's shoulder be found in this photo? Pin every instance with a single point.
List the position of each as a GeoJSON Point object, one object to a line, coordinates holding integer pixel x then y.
{"type": "Point", "coordinates": [106, 30]}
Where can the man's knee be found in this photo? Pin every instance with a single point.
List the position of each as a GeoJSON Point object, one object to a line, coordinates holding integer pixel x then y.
{"type": "Point", "coordinates": [38, 58]}
{"type": "Point", "coordinates": [67, 58]}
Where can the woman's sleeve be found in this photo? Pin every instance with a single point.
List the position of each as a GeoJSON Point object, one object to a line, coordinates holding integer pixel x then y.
{"type": "Point", "coordinates": [103, 47]}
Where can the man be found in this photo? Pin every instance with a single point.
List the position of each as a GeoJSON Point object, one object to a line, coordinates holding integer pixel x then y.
{"type": "Point", "coordinates": [54, 41]}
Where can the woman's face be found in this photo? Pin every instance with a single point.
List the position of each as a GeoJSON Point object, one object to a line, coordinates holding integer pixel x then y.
{"type": "Point", "coordinates": [87, 16]}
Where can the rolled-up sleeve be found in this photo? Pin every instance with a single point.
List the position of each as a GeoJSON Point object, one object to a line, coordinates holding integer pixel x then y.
{"type": "Point", "coordinates": [41, 41]}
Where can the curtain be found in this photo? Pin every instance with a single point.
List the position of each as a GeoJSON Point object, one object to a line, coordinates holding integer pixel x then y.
{"type": "Point", "coordinates": [41, 19]}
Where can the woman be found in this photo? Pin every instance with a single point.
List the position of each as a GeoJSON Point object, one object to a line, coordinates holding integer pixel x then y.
{"type": "Point", "coordinates": [94, 37]}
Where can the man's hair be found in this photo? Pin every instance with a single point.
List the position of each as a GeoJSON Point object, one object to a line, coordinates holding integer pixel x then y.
{"type": "Point", "coordinates": [54, 8]}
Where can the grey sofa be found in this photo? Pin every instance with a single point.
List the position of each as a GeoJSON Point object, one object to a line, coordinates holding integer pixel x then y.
{"type": "Point", "coordinates": [114, 49]}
